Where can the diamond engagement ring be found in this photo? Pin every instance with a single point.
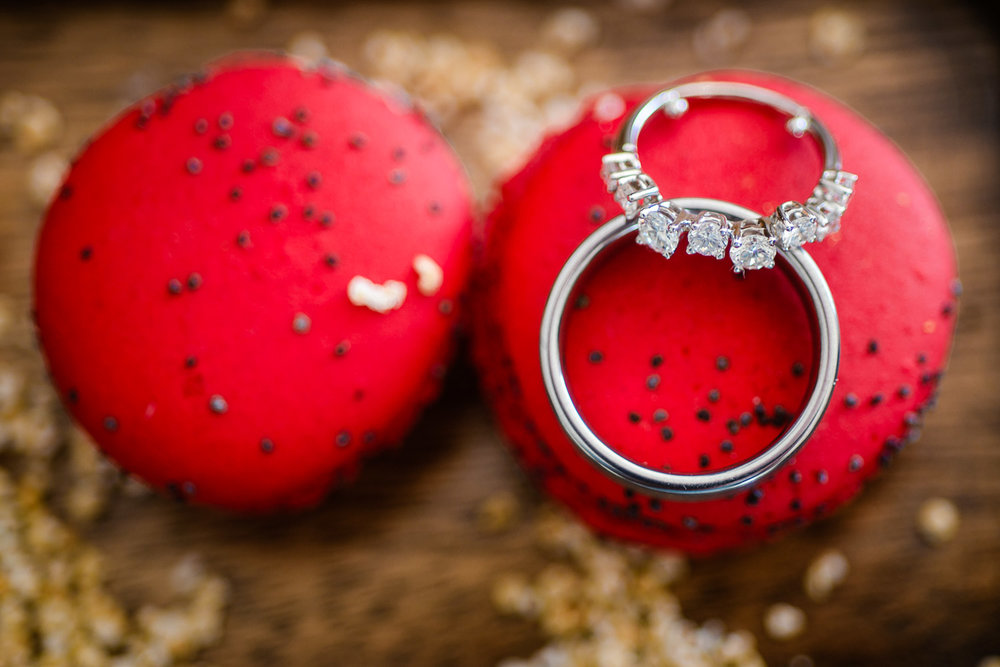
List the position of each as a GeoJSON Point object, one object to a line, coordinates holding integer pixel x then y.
{"type": "Point", "coordinates": [753, 242]}
{"type": "Point", "coordinates": [826, 336]}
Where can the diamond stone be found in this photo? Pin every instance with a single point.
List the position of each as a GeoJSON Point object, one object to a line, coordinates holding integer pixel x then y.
{"type": "Point", "coordinates": [831, 192]}
{"type": "Point", "coordinates": [657, 229]}
{"type": "Point", "coordinates": [708, 235]}
{"type": "Point", "coordinates": [628, 190]}
{"type": "Point", "coordinates": [615, 166]}
{"type": "Point", "coordinates": [794, 224]}
{"type": "Point", "coordinates": [829, 216]}
{"type": "Point", "coordinates": [844, 179]}
{"type": "Point", "coordinates": [752, 249]}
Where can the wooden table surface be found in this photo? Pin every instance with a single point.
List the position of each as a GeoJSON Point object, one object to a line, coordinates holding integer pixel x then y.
{"type": "Point", "coordinates": [394, 569]}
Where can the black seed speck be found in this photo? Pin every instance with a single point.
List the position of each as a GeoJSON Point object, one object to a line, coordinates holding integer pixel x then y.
{"type": "Point", "coordinates": [660, 415]}
{"type": "Point", "coordinates": [872, 346]}
{"type": "Point", "coordinates": [278, 212]}
{"type": "Point", "coordinates": [301, 114]}
{"type": "Point", "coordinates": [726, 446]}
{"type": "Point", "coordinates": [330, 260]}
{"type": "Point", "coordinates": [368, 437]}
{"type": "Point", "coordinates": [343, 347]}
{"type": "Point", "coordinates": [876, 399]}
{"type": "Point", "coordinates": [732, 426]}
{"type": "Point", "coordinates": [822, 477]}
{"type": "Point", "coordinates": [86, 253]}
{"type": "Point", "coordinates": [656, 361]}
{"type": "Point", "coordinates": [73, 396]}
{"type": "Point", "coordinates": [595, 356]}
{"type": "Point", "coordinates": [65, 192]}
{"type": "Point", "coordinates": [596, 213]}
{"type": "Point", "coordinates": [947, 309]}
{"type": "Point", "coordinates": [581, 302]}
{"type": "Point", "coordinates": [754, 496]}
{"type": "Point", "coordinates": [904, 391]}
{"type": "Point", "coordinates": [269, 157]}
{"type": "Point", "coordinates": [912, 419]}
{"type": "Point", "coordinates": [248, 166]}
{"type": "Point", "coordinates": [243, 239]}
{"type": "Point", "coordinates": [746, 419]}
{"type": "Point", "coordinates": [795, 505]}
{"type": "Point", "coordinates": [222, 142]}
{"type": "Point", "coordinates": [314, 179]}
{"type": "Point", "coordinates": [266, 445]}
{"type": "Point", "coordinates": [326, 218]}
{"type": "Point", "coordinates": [226, 121]}
{"type": "Point", "coordinates": [653, 381]}
{"type": "Point", "coordinates": [922, 358]}
{"type": "Point", "coordinates": [722, 363]}
{"type": "Point", "coordinates": [956, 287]}
{"type": "Point", "coordinates": [851, 400]}
{"type": "Point", "coordinates": [713, 396]}
{"type": "Point", "coordinates": [310, 139]}
{"type": "Point", "coordinates": [189, 488]}
{"type": "Point", "coordinates": [193, 165]}
{"type": "Point", "coordinates": [434, 207]}
{"type": "Point", "coordinates": [194, 281]}
{"type": "Point", "coordinates": [110, 424]}
{"type": "Point", "coordinates": [398, 153]}
{"type": "Point", "coordinates": [201, 126]}
{"type": "Point", "coordinates": [704, 461]}
{"type": "Point", "coordinates": [190, 362]}
{"type": "Point", "coordinates": [218, 404]}
{"type": "Point", "coordinates": [780, 416]}
{"type": "Point", "coordinates": [746, 520]}
{"type": "Point", "coordinates": [174, 286]}
{"type": "Point", "coordinates": [798, 369]}
{"type": "Point", "coordinates": [343, 439]}
{"type": "Point", "coordinates": [667, 433]}
{"type": "Point", "coordinates": [282, 127]}
{"type": "Point", "coordinates": [446, 307]}
{"type": "Point", "coordinates": [655, 505]}
{"type": "Point", "coordinates": [794, 476]}
{"type": "Point", "coordinates": [236, 194]}
{"type": "Point", "coordinates": [397, 176]}
{"type": "Point", "coordinates": [690, 522]}
{"type": "Point", "coordinates": [855, 463]}
{"type": "Point", "coordinates": [703, 414]}
{"type": "Point", "coordinates": [634, 417]}
{"type": "Point", "coordinates": [358, 140]}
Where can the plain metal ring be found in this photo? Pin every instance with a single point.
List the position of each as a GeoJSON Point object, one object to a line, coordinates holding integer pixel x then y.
{"type": "Point", "coordinates": [700, 485]}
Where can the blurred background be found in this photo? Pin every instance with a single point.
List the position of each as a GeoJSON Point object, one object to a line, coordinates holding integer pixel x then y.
{"type": "Point", "coordinates": [433, 557]}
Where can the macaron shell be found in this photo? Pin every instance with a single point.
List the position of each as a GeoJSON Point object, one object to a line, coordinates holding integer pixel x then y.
{"type": "Point", "coordinates": [668, 358]}
{"type": "Point", "coordinates": [257, 192]}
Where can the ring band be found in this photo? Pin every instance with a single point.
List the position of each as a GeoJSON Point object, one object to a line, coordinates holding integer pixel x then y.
{"type": "Point", "coordinates": [701, 485]}
{"type": "Point", "coordinates": [754, 241]}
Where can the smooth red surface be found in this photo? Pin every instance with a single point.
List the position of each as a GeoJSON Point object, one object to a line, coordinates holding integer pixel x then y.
{"type": "Point", "coordinates": [892, 271]}
{"type": "Point", "coordinates": [117, 341]}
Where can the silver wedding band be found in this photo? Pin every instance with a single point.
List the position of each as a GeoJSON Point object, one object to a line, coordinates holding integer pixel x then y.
{"type": "Point", "coordinates": [694, 486]}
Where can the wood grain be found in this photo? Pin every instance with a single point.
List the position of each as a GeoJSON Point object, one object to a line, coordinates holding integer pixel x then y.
{"type": "Point", "coordinates": [393, 569]}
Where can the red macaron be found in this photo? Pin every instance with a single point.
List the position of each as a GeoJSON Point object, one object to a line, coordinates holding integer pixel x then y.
{"type": "Point", "coordinates": [249, 280]}
{"type": "Point", "coordinates": [681, 364]}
